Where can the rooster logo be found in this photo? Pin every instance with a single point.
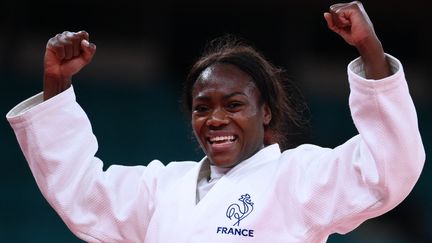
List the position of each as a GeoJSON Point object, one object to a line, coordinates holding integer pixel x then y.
{"type": "Point", "coordinates": [239, 212]}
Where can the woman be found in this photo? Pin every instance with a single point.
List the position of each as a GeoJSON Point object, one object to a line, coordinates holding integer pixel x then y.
{"type": "Point", "coordinates": [245, 189]}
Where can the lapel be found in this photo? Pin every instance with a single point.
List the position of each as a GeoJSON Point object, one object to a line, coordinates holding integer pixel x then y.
{"type": "Point", "coordinates": [227, 190]}
{"type": "Point", "coordinates": [233, 185]}
{"type": "Point", "coordinates": [185, 192]}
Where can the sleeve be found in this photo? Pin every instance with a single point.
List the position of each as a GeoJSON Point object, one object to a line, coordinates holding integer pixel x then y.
{"type": "Point", "coordinates": [98, 206]}
{"type": "Point", "coordinates": [385, 116]}
{"type": "Point", "coordinates": [371, 173]}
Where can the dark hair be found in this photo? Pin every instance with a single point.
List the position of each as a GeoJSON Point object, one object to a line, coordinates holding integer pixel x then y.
{"type": "Point", "coordinates": [289, 124]}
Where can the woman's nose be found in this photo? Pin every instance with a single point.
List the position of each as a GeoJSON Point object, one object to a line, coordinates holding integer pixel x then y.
{"type": "Point", "coordinates": [217, 118]}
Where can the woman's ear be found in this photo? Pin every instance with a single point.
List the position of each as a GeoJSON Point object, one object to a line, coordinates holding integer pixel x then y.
{"type": "Point", "coordinates": [267, 115]}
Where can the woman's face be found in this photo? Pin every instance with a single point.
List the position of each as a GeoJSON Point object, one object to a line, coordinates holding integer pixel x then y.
{"type": "Point", "coordinates": [227, 117]}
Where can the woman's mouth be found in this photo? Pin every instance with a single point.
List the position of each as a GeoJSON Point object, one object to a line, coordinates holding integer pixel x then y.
{"type": "Point", "coordinates": [222, 144]}
{"type": "Point", "coordinates": [222, 149]}
{"type": "Point", "coordinates": [222, 139]}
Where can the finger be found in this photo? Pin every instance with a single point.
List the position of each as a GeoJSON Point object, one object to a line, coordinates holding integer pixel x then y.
{"type": "Point", "coordinates": [54, 45]}
{"type": "Point", "coordinates": [68, 38]}
{"type": "Point", "coordinates": [330, 24]}
{"type": "Point", "coordinates": [329, 19]}
{"type": "Point", "coordinates": [340, 6]}
{"type": "Point", "coordinates": [83, 34]}
{"type": "Point", "coordinates": [72, 44]}
{"type": "Point", "coordinates": [68, 51]}
{"type": "Point", "coordinates": [341, 18]}
{"type": "Point", "coordinates": [89, 49]}
{"type": "Point", "coordinates": [342, 12]}
{"type": "Point", "coordinates": [76, 44]}
{"type": "Point", "coordinates": [336, 7]}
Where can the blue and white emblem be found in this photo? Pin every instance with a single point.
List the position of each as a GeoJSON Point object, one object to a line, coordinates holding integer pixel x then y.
{"type": "Point", "coordinates": [240, 211]}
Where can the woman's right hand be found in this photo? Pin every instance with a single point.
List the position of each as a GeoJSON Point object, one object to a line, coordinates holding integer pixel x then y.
{"type": "Point", "coordinates": [66, 54]}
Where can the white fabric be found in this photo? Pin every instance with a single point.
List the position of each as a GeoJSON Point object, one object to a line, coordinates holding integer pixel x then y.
{"type": "Point", "coordinates": [299, 195]}
{"type": "Point", "coordinates": [208, 178]}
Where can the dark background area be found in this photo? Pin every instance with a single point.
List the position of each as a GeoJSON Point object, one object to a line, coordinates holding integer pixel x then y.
{"type": "Point", "coordinates": [145, 49]}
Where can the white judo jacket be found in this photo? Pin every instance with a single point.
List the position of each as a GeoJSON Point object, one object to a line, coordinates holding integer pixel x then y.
{"type": "Point", "coordinates": [299, 195]}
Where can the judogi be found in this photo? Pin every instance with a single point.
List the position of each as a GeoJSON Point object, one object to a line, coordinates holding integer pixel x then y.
{"type": "Point", "coordinates": [299, 195]}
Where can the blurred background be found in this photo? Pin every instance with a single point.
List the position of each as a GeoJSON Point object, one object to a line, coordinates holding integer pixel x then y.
{"type": "Point", "coordinates": [131, 89]}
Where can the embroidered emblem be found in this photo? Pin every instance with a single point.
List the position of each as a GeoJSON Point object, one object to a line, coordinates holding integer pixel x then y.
{"type": "Point", "coordinates": [239, 212]}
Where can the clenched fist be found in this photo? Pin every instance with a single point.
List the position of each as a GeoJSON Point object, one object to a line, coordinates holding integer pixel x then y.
{"type": "Point", "coordinates": [66, 54]}
{"type": "Point", "coordinates": [352, 23]}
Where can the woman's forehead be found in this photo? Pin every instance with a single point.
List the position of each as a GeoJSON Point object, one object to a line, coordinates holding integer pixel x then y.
{"type": "Point", "coordinates": [214, 88]}
{"type": "Point", "coordinates": [223, 76]}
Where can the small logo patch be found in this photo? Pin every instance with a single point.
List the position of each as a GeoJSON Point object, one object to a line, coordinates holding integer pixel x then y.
{"type": "Point", "coordinates": [240, 211]}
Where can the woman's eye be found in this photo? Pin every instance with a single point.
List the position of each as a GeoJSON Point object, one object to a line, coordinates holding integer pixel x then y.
{"type": "Point", "coordinates": [234, 105]}
{"type": "Point", "coordinates": [201, 109]}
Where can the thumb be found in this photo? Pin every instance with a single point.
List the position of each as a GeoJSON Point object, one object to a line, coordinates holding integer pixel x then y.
{"type": "Point", "coordinates": [331, 23]}
{"type": "Point", "coordinates": [329, 19]}
{"type": "Point", "coordinates": [89, 49]}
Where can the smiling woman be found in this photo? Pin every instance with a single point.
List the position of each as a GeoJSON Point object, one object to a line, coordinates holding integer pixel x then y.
{"type": "Point", "coordinates": [256, 182]}
{"type": "Point", "coordinates": [288, 124]}
{"type": "Point", "coordinates": [228, 115]}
